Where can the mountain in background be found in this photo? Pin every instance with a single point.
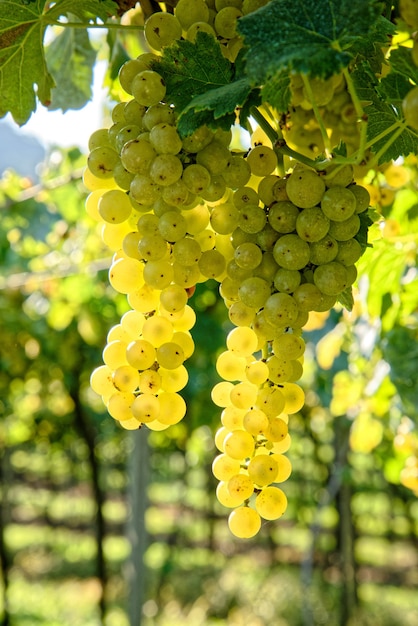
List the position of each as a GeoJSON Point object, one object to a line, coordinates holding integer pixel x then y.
{"type": "Point", "coordinates": [19, 152]}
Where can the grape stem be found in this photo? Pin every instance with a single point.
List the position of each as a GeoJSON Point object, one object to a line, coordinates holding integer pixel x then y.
{"type": "Point", "coordinates": [279, 143]}
{"type": "Point", "coordinates": [84, 25]}
{"type": "Point", "coordinates": [317, 113]}
{"type": "Point", "coordinates": [360, 115]}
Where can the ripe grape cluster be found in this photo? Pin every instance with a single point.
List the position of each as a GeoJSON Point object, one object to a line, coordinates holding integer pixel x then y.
{"type": "Point", "coordinates": [177, 211]}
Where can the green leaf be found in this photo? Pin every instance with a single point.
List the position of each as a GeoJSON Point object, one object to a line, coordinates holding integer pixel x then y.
{"type": "Point", "coordinates": [277, 92]}
{"type": "Point", "coordinates": [70, 59]}
{"type": "Point", "coordinates": [308, 36]}
{"type": "Point", "coordinates": [395, 142]}
{"type": "Point", "coordinates": [22, 62]}
{"type": "Point", "coordinates": [401, 62]}
{"type": "Point", "coordinates": [346, 299]}
{"type": "Point", "coordinates": [22, 58]}
{"type": "Point", "coordinates": [201, 84]}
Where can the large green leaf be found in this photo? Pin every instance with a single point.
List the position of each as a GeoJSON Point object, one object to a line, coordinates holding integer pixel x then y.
{"type": "Point", "coordinates": [70, 59]}
{"type": "Point", "coordinates": [309, 36]}
{"type": "Point", "coordinates": [22, 58]}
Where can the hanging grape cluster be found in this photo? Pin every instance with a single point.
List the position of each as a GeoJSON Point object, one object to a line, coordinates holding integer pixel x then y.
{"type": "Point", "coordinates": [179, 210]}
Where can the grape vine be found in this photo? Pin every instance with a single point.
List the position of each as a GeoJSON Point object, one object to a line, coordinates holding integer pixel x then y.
{"type": "Point", "coordinates": [242, 152]}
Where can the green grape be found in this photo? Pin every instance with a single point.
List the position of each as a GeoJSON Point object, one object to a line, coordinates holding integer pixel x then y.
{"type": "Point", "coordinates": [170, 355]}
{"type": "Point", "coordinates": [224, 218]}
{"type": "Point", "coordinates": [305, 188]}
{"type": "Point", "coordinates": [198, 140]}
{"type": "Point", "coordinates": [255, 422]}
{"type": "Point", "coordinates": [148, 224]}
{"type": "Point", "coordinates": [240, 314]}
{"type": "Point", "coordinates": [157, 330]}
{"type": "Point", "coordinates": [331, 278]}
{"type": "Point", "coordinates": [119, 405]}
{"type": "Point", "coordinates": [237, 172]}
{"type": "Point", "coordinates": [214, 157]}
{"type": "Point", "coordinates": [282, 216]}
{"type": "Point", "coordinates": [248, 255]}
{"type": "Point", "coordinates": [101, 381]}
{"type": "Point", "coordinates": [98, 139]}
{"type": "Point", "coordinates": [158, 274]}
{"type": "Point", "coordinates": [252, 219]}
{"type": "Point", "coordinates": [134, 112]}
{"type": "Point", "coordinates": [240, 486]}
{"type": "Point", "coordinates": [126, 378]}
{"type": "Point", "coordinates": [172, 226]}
{"type": "Point", "coordinates": [161, 29]}
{"type": "Point", "coordinates": [232, 418]}
{"type": "Point", "coordinates": [280, 309]}
{"type": "Point", "coordinates": [267, 237]}
{"type": "Point", "coordinates": [215, 190]}
{"type": "Point", "coordinates": [312, 224]}
{"type": "Point", "coordinates": [280, 370]}
{"type": "Point", "coordinates": [101, 161]}
{"type": "Point", "coordinates": [166, 169]}
{"type": "Point", "coordinates": [148, 88]}
{"type": "Point", "coordinates": [338, 203]}
{"type": "Point", "coordinates": [114, 354]}
{"type": "Point", "coordinates": [242, 341]}
{"type": "Point", "coordinates": [144, 299]}
{"type": "Point", "coordinates": [122, 177]}
{"type": "Point", "coordinates": [409, 12]}
{"type": "Point", "coordinates": [152, 247]}
{"type": "Point", "coordinates": [176, 194]}
{"type": "Point", "coordinates": [308, 297]}
{"type": "Point", "coordinates": [271, 401]}
{"type": "Point", "coordinates": [198, 27]}
{"type": "Point", "coordinates": [286, 280]}
{"type": "Point", "coordinates": [160, 113]}
{"type": "Point", "coordinates": [254, 291]}
{"type": "Point", "coordinates": [243, 395]}
{"type": "Point", "coordinates": [229, 290]}
{"type": "Point", "coordinates": [165, 139]}
{"type": "Point", "coordinates": [132, 322]}
{"type": "Point", "coordinates": [271, 503]}
{"type": "Point", "coordinates": [343, 231]}
{"type": "Point", "coordinates": [291, 252]}
{"type": "Point", "coordinates": [126, 275]}
{"type": "Point", "coordinates": [125, 134]}
{"type": "Point", "coordinates": [263, 470]}
{"type": "Point", "coordinates": [186, 251]}
{"type": "Point", "coordinates": [226, 22]}
{"type": "Point", "coordinates": [349, 252]}
{"type": "Point", "coordinates": [267, 269]}
{"type": "Point", "coordinates": [221, 394]}
{"type": "Point", "coordinates": [265, 331]}
{"type": "Point", "coordinates": [186, 276]}
{"type": "Point", "coordinates": [211, 264]}
{"type": "Point", "coordinates": [150, 381]}
{"type": "Point", "coordinates": [223, 467]}
{"type": "Point", "coordinates": [410, 107]}
{"type": "Point", "coordinates": [188, 13]}
{"type": "Point", "coordinates": [238, 444]}
{"type": "Point", "coordinates": [144, 190]}
{"type": "Point", "coordinates": [289, 345]}
{"type": "Point", "coordinates": [341, 175]}
{"type": "Point", "coordinates": [244, 522]}
{"type": "Point", "coordinates": [146, 407]}
{"type": "Point", "coordinates": [245, 196]}
{"type": "Point", "coordinates": [174, 379]}
{"type": "Point", "coordinates": [114, 206]}
{"type": "Point", "coordinates": [127, 73]}
{"type": "Point", "coordinates": [137, 156]}
{"type": "Point", "coordinates": [140, 354]}
{"type": "Point", "coordinates": [196, 178]}
{"type": "Point", "coordinates": [225, 497]}
{"type": "Point", "coordinates": [262, 160]}
{"type": "Point", "coordinates": [284, 467]}
{"type": "Point", "coordinates": [173, 298]}
{"type": "Point", "coordinates": [323, 251]}
{"type": "Point", "coordinates": [362, 197]}
{"type": "Point", "coordinates": [230, 366]}
{"type": "Point", "coordinates": [257, 372]}
{"type": "Point", "coordinates": [172, 408]}
{"type": "Point", "coordinates": [239, 236]}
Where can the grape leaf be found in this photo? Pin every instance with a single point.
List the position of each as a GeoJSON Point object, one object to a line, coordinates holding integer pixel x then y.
{"type": "Point", "coordinates": [277, 92]}
{"type": "Point", "coordinates": [386, 133]}
{"type": "Point", "coordinates": [22, 58]}
{"type": "Point", "coordinates": [202, 84]}
{"type": "Point", "coordinates": [309, 36]}
{"type": "Point", "coordinates": [70, 59]}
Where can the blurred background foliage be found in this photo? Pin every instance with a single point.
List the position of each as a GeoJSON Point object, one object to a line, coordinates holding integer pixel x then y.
{"type": "Point", "coordinates": [86, 539]}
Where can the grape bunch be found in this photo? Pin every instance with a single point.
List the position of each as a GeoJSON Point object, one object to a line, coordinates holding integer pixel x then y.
{"type": "Point", "coordinates": [178, 210]}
